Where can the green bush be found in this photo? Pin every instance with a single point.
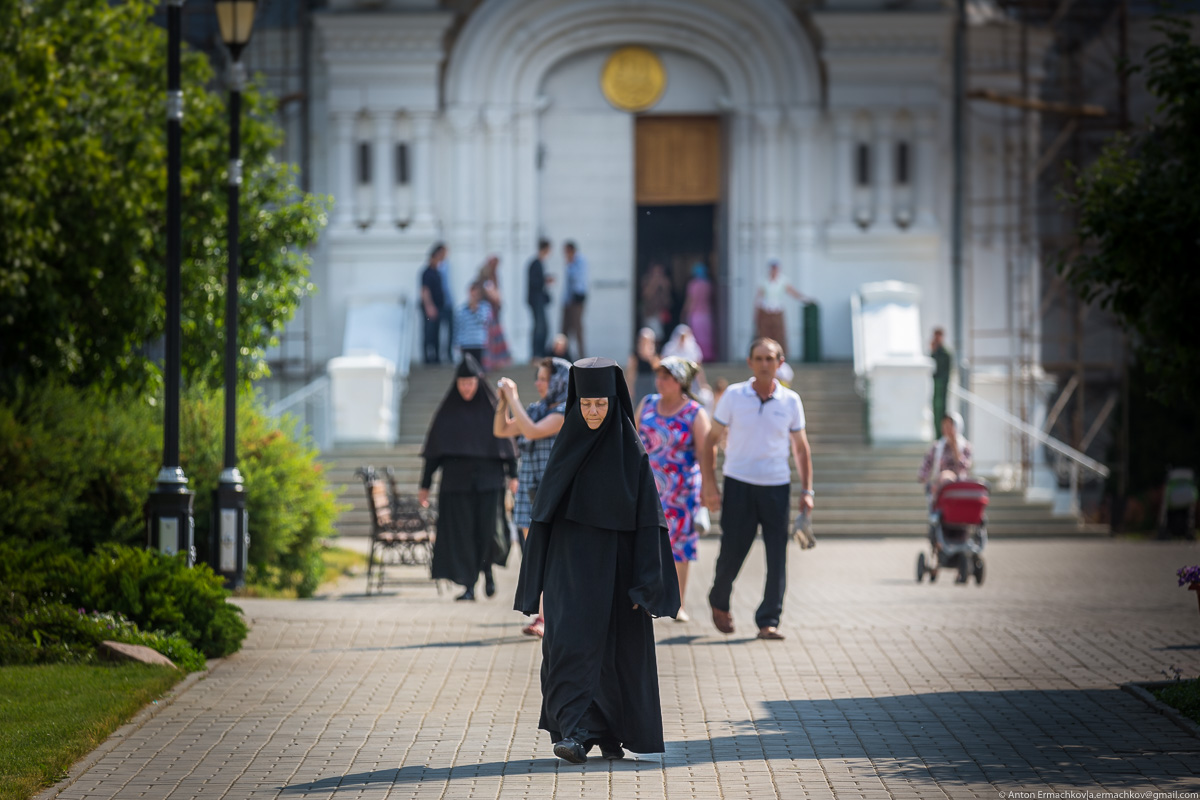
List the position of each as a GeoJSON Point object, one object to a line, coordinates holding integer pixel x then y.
{"type": "Point", "coordinates": [153, 591]}
{"type": "Point", "coordinates": [45, 632]}
{"type": "Point", "coordinates": [288, 500]}
{"type": "Point", "coordinates": [79, 464]}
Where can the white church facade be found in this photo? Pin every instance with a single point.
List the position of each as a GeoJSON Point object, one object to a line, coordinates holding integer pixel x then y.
{"type": "Point", "coordinates": [824, 137]}
{"type": "Point", "coordinates": [834, 139]}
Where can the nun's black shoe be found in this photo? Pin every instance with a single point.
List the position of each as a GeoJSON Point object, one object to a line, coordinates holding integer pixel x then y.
{"type": "Point", "coordinates": [469, 594]}
{"type": "Point", "coordinates": [570, 750]}
{"type": "Point", "coordinates": [611, 750]}
{"type": "Point", "coordinates": [489, 585]}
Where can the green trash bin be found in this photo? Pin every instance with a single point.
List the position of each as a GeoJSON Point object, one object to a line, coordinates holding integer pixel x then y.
{"type": "Point", "coordinates": [812, 333]}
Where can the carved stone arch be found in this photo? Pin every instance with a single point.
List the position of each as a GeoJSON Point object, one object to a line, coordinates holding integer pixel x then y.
{"type": "Point", "coordinates": [758, 47]}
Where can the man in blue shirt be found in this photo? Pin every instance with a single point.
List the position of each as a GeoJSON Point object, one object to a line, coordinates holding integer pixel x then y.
{"type": "Point", "coordinates": [576, 296]}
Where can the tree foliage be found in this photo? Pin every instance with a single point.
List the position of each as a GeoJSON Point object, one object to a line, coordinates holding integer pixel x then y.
{"type": "Point", "coordinates": [83, 202]}
{"type": "Point", "coordinates": [1139, 208]}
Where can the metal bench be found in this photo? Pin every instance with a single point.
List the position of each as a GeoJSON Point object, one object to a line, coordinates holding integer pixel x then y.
{"type": "Point", "coordinates": [402, 532]}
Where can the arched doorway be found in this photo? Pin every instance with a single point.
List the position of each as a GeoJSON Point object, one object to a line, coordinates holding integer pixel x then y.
{"type": "Point", "coordinates": [532, 127]}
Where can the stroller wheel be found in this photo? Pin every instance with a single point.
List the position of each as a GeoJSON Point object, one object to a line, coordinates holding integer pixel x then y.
{"type": "Point", "coordinates": [921, 568]}
{"type": "Point", "coordinates": [964, 569]}
{"type": "Point", "coordinates": [978, 570]}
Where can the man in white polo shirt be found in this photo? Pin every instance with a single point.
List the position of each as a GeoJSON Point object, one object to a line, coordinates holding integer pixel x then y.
{"type": "Point", "coordinates": [765, 421]}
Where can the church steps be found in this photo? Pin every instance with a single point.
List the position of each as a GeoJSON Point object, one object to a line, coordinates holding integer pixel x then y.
{"type": "Point", "coordinates": [861, 490]}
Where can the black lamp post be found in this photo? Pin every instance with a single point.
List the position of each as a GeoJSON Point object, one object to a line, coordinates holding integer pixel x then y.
{"type": "Point", "coordinates": [230, 541]}
{"type": "Point", "coordinates": [170, 526]}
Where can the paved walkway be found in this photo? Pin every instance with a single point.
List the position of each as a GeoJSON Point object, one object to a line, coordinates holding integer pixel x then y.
{"type": "Point", "coordinates": [884, 688]}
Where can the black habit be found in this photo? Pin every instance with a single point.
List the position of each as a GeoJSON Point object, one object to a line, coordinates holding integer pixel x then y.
{"type": "Point", "coordinates": [598, 545]}
{"type": "Point", "coordinates": [474, 466]}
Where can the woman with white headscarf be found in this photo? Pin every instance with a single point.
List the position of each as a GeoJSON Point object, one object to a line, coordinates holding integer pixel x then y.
{"type": "Point", "coordinates": [948, 460]}
{"type": "Point", "coordinates": [683, 344]}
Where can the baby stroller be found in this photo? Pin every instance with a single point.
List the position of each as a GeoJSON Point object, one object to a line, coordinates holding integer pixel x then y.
{"type": "Point", "coordinates": [957, 531]}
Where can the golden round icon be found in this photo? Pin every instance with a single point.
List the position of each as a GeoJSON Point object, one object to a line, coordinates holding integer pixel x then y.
{"type": "Point", "coordinates": [633, 79]}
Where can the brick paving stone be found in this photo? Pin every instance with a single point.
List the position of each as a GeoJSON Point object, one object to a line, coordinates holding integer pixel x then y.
{"type": "Point", "coordinates": [883, 689]}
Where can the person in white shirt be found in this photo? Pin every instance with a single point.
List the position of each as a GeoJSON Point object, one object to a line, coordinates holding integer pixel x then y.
{"type": "Point", "coordinates": [768, 306]}
{"type": "Point", "coordinates": [765, 421]}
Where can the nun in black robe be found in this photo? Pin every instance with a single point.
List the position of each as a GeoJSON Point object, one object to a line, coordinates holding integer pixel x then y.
{"type": "Point", "coordinates": [598, 548]}
{"type": "Point", "coordinates": [475, 465]}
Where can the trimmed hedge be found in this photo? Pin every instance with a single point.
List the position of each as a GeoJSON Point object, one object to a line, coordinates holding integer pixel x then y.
{"type": "Point", "coordinates": [47, 592]}
{"type": "Point", "coordinates": [79, 465]}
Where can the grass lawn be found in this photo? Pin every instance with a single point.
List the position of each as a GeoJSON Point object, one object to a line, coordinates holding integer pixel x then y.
{"type": "Point", "coordinates": [1183, 696]}
{"type": "Point", "coordinates": [337, 562]}
{"type": "Point", "coordinates": [52, 715]}
{"type": "Point", "coordinates": [340, 562]}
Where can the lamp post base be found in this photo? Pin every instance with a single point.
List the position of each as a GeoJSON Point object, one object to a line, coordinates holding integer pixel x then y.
{"type": "Point", "coordinates": [230, 540]}
{"type": "Point", "coordinates": [170, 525]}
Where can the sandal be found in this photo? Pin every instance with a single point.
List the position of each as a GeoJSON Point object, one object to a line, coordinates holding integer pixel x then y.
{"type": "Point", "coordinates": [535, 628]}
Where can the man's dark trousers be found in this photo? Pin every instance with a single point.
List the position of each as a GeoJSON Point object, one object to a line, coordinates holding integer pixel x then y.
{"type": "Point", "coordinates": [540, 330]}
{"type": "Point", "coordinates": [743, 508]}
{"type": "Point", "coordinates": [432, 328]}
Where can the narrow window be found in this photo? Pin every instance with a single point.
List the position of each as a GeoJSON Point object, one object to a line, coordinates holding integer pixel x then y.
{"type": "Point", "coordinates": [862, 165]}
{"type": "Point", "coordinates": [902, 166]}
{"type": "Point", "coordinates": [402, 164]}
{"type": "Point", "coordinates": [364, 162]}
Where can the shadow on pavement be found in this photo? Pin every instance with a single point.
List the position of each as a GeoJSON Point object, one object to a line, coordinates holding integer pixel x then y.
{"type": "Point", "coordinates": [1010, 739]}
{"type": "Point", "coordinates": [431, 645]}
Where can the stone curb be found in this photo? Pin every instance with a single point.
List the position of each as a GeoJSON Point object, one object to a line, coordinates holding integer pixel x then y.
{"type": "Point", "coordinates": [116, 737]}
{"type": "Point", "coordinates": [1142, 692]}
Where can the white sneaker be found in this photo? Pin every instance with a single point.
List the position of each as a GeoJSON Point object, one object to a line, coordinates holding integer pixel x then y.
{"type": "Point", "coordinates": [682, 616]}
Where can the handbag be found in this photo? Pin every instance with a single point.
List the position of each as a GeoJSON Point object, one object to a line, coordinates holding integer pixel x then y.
{"type": "Point", "coordinates": [802, 531]}
{"type": "Point", "coordinates": [701, 521]}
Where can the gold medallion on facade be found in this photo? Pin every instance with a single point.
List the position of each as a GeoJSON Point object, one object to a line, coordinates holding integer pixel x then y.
{"type": "Point", "coordinates": [633, 79]}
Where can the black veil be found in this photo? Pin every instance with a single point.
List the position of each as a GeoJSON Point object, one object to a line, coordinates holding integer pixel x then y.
{"type": "Point", "coordinates": [602, 479]}
{"type": "Point", "coordinates": [461, 428]}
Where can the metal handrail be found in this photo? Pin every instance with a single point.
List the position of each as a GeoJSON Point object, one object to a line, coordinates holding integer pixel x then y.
{"type": "Point", "coordinates": [857, 332]}
{"type": "Point", "coordinates": [860, 357]}
{"type": "Point", "coordinates": [286, 404]}
{"type": "Point", "coordinates": [1037, 434]}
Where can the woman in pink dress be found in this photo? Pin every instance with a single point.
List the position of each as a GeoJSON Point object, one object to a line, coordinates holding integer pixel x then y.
{"type": "Point", "coordinates": [697, 310]}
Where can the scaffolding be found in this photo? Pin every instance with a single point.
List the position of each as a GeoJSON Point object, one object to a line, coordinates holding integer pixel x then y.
{"type": "Point", "coordinates": [1045, 128]}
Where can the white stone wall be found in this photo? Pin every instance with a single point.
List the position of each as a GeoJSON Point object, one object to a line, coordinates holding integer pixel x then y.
{"type": "Point", "coordinates": [509, 137]}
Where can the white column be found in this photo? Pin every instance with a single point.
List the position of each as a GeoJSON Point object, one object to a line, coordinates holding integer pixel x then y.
{"type": "Point", "coordinates": [843, 168]}
{"type": "Point", "coordinates": [769, 190]}
{"type": "Point", "coordinates": [464, 123]}
{"type": "Point", "coordinates": [524, 155]}
{"type": "Point", "coordinates": [383, 125]}
{"type": "Point", "coordinates": [804, 181]}
{"type": "Point", "coordinates": [343, 165]}
{"type": "Point", "coordinates": [883, 171]}
{"type": "Point", "coordinates": [422, 168]}
{"type": "Point", "coordinates": [498, 121]}
{"type": "Point", "coordinates": [743, 273]}
{"type": "Point", "coordinates": [924, 168]}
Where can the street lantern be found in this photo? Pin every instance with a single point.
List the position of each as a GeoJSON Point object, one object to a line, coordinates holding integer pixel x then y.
{"type": "Point", "coordinates": [230, 539]}
{"type": "Point", "coordinates": [235, 18]}
{"type": "Point", "coordinates": [170, 526]}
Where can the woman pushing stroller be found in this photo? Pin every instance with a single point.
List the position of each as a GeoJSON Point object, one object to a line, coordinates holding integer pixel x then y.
{"type": "Point", "coordinates": [948, 459]}
{"type": "Point", "coordinates": [957, 506]}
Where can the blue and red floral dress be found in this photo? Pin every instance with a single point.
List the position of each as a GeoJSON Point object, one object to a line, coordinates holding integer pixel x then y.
{"type": "Point", "coordinates": [670, 443]}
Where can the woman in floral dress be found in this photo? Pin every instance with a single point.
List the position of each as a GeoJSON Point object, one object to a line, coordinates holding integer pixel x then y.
{"type": "Point", "coordinates": [673, 427]}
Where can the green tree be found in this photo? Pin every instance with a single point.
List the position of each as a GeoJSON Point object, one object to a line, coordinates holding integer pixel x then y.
{"type": "Point", "coordinates": [1139, 209]}
{"type": "Point", "coordinates": [82, 202]}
